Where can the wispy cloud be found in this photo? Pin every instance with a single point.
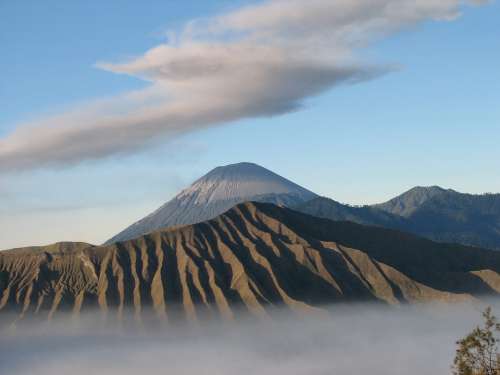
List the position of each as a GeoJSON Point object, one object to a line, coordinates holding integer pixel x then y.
{"type": "Point", "coordinates": [258, 61]}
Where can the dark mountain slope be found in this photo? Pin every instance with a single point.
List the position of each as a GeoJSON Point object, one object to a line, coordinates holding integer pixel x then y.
{"type": "Point", "coordinates": [329, 209]}
{"type": "Point", "coordinates": [253, 257]}
{"type": "Point", "coordinates": [456, 217]}
{"type": "Point", "coordinates": [435, 213]}
{"type": "Point", "coordinates": [420, 258]}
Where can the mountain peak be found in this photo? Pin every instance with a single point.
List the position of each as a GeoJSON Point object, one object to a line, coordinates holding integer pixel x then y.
{"type": "Point", "coordinates": [244, 165]}
{"type": "Point", "coordinates": [240, 181]}
{"type": "Point", "coordinates": [406, 203]}
{"type": "Point", "coordinates": [426, 189]}
{"type": "Point", "coordinates": [243, 170]}
{"type": "Point", "coordinates": [216, 192]}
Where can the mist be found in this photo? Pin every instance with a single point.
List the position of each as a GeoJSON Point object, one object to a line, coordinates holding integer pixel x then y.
{"type": "Point", "coordinates": [353, 339]}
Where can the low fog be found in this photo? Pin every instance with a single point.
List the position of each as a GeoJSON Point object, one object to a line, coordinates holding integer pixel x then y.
{"type": "Point", "coordinates": [355, 339]}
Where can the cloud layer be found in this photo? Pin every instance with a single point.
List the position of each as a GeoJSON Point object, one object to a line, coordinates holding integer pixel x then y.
{"type": "Point", "coordinates": [257, 61]}
{"type": "Point", "coordinates": [357, 339]}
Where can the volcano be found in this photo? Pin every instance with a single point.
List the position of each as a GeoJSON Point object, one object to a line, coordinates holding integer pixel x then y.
{"type": "Point", "coordinates": [215, 193]}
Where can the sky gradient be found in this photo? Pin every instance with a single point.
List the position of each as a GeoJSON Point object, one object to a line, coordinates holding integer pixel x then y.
{"type": "Point", "coordinates": [423, 110]}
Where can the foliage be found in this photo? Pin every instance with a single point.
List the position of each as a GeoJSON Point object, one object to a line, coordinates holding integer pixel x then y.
{"type": "Point", "coordinates": [477, 353]}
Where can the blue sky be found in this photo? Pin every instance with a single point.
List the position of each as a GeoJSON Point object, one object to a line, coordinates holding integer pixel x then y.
{"type": "Point", "coordinates": [434, 119]}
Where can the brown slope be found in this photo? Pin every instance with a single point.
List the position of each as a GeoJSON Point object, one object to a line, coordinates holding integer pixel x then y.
{"type": "Point", "coordinates": [253, 257]}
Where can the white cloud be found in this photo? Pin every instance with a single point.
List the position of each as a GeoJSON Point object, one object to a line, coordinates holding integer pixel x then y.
{"type": "Point", "coordinates": [257, 61]}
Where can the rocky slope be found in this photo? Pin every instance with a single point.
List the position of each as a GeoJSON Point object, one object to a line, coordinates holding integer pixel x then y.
{"type": "Point", "coordinates": [253, 257]}
{"type": "Point", "coordinates": [215, 193]}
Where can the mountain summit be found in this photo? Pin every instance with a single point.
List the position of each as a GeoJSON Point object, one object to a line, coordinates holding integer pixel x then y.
{"type": "Point", "coordinates": [409, 202]}
{"type": "Point", "coordinates": [215, 193]}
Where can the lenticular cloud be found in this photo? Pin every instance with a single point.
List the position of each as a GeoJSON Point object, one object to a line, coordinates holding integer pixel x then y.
{"type": "Point", "coordinates": [257, 61]}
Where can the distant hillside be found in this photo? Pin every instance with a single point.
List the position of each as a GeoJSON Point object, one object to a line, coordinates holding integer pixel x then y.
{"type": "Point", "coordinates": [368, 215]}
{"type": "Point", "coordinates": [253, 257]}
{"type": "Point", "coordinates": [438, 214]}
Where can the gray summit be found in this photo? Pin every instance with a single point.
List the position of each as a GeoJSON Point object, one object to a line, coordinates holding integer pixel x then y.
{"type": "Point", "coordinates": [217, 192]}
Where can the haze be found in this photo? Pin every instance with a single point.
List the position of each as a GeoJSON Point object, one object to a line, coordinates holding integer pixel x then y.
{"type": "Point", "coordinates": [355, 339]}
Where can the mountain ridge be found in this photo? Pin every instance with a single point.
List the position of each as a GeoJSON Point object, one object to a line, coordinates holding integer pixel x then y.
{"type": "Point", "coordinates": [254, 257]}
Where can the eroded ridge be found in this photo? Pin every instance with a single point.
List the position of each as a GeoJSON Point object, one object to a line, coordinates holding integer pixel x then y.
{"type": "Point", "coordinates": [253, 257]}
